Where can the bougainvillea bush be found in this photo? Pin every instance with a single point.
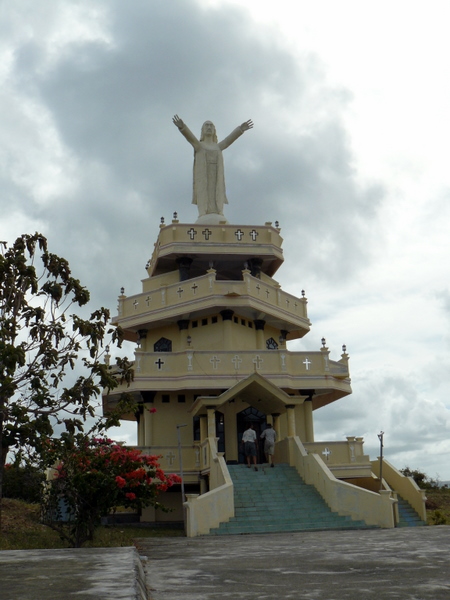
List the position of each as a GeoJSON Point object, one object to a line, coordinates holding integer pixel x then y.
{"type": "Point", "coordinates": [94, 476]}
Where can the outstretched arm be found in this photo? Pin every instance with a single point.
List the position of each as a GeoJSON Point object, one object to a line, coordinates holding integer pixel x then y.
{"type": "Point", "coordinates": [235, 134]}
{"type": "Point", "coordinates": [184, 130]}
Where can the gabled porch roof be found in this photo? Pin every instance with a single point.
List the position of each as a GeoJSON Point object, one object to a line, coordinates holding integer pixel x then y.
{"type": "Point", "coordinates": [255, 390]}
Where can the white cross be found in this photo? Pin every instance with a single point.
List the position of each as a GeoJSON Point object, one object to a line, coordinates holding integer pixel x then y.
{"type": "Point", "coordinates": [352, 453]}
{"type": "Point", "coordinates": [135, 304]}
{"type": "Point", "coordinates": [253, 235]}
{"type": "Point", "coordinates": [170, 457]}
{"type": "Point", "coordinates": [192, 233]}
{"type": "Point", "coordinates": [326, 453]}
{"type": "Point", "coordinates": [214, 361]}
{"type": "Point", "coordinates": [257, 361]}
{"type": "Point", "coordinates": [307, 362]}
{"type": "Point", "coordinates": [207, 233]}
{"type": "Point", "coordinates": [239, 234]}
{"type": "Point", "coordinates": [237, 361]}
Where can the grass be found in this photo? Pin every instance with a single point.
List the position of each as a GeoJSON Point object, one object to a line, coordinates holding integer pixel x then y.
{"type": "Point", "coordinates": [21, 530]}
{"type": "Point", "coordinates": [438, 506]}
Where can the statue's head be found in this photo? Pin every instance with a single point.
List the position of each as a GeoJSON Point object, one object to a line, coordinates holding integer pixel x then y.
{"type": "Point", "coordinates": [208, 128]}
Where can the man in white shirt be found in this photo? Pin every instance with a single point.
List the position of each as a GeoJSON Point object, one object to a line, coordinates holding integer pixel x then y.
{"type": "Point", "coordinates": [269, 436]}
{"type": "Point", "coordinates": [250, 444]}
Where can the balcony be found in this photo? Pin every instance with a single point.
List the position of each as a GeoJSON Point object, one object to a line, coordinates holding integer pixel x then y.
{"type": "Point", "coordinates": [163, 303]}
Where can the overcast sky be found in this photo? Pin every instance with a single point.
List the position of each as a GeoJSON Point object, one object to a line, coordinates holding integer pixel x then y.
{"type": "Point", "coordinates": [349, 153]}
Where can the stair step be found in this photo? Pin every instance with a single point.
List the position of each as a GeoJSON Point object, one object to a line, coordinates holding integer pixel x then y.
{"type": "Point", "coordinates": [277, 500]}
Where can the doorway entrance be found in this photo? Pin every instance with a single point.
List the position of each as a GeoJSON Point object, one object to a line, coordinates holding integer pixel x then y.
{"type": "Point", "coordinates": [258, 420]}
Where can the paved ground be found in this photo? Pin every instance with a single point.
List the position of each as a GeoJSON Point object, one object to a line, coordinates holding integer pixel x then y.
{"type": "Point", "coordinates": [394, 564]}
{"type": "Point", "coordinates": [81, 574]}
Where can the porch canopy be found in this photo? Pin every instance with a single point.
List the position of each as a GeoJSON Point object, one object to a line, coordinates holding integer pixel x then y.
{"type": "Point", "coordinates": [256, 391]}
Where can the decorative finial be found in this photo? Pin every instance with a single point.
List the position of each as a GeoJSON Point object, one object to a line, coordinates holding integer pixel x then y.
{"type": "Point", "coordinates": [344, 348]}
{"type": "Point", "coordinates": [122, 291]}
{"type": "Point", "coordinates": [162, 220]}
{"type": "Point", "coordinates": [175, 215]}
{"type": "Point", "coordinates": [303, 293]}
{"type": "Point", "coordinates": [277, 224]}
{"type": "Point", "coordinates": [324, 341]}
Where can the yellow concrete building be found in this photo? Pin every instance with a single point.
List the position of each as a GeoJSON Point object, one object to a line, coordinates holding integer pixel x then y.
{"type": "Point", "coordinates": [212, 328]}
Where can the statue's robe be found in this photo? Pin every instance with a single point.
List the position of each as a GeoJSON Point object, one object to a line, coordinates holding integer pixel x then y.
{"type": "Point", "coordinates": [209, 181]}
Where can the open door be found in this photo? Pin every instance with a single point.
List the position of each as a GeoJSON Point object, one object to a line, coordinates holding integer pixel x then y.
{"type": "Point", "coordinates": [258, 419]}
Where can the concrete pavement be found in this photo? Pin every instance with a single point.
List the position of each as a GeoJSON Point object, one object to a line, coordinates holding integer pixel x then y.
{"type": "Point", "coordinates": [397, 564]}
{"type": "Point", "coordinates": [389, 564]}
{"type": "Point", "coordinates": [78, 573]}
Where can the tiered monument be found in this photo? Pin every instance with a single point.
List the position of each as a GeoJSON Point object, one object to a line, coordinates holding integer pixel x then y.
{"type": "Point", "coordinates": [211, 327]}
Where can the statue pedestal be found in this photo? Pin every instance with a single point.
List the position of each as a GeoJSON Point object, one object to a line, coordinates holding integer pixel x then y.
{"type": "Point", "coordinates": [212, 219]}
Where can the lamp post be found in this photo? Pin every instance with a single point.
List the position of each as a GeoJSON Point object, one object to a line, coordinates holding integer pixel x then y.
{"type": "Point", "coordinates": [181, 464]}
{"type": "Point", "coordinates": [380, 437]}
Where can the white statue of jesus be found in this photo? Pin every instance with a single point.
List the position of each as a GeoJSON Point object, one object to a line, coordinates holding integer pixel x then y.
{"type": "Point", "coordinates": [209, 180]}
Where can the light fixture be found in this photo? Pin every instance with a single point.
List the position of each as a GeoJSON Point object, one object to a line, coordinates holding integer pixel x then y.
{"type": "Point", "coordinates": [344, 348]}
{"type": "Point", "coordinates": [122, 290]}
{"type": "Point", "coordinates": [324, 341]}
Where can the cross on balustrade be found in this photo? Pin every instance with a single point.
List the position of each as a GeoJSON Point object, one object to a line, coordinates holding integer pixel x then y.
{"type": "Point", "coordinates": [159, 363]}
{"type": "Point", "coordinates": [307, 362]}
{"type": "Point", "coordinates": [326, 453]}
{"type": "Point", "coordinates": [148, 300]}
{"type": "Point", "coordinates": [236, 360]}
{"type": "Point", "coordinates": [170, 457]}
{"type": "Point", "coordinates": [194, 288]}
{"type": "Point", "coordinates": [135, 304]}
{"type": "Point", "coordinates": [192, 233]}
{"type": "Point", "coordinates": [257, 361]}
{"type": "Point", "coordinates": [239, 234]}
{"type": "Point", "coordinates": [206, 232]}
{"type": "Point", "coordinates": [180, 291]}
{"type": "Point", "coordinates": [214, 361]}
{"type": "Point", "coordinates": [254, 234]}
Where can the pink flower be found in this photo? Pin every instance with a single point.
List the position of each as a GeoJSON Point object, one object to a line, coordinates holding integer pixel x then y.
{"type": "Point", "coordinates": [130, 496]}
{"type": "Point", "coordinates": [120, 481]}
{"type": "Point", "coordinates": [152, 409]}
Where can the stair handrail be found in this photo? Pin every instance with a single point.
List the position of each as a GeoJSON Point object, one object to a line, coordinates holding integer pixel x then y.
{"type": "Point", "coordinates": [405, 486]}
{"type": "Point", "coordinates": [206, 511]}
{"type": "Point", "coordinates": [342, 497]}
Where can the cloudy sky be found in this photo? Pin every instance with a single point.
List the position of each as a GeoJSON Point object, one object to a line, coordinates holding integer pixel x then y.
{"type": "Point", "coordinates": [349, 153]}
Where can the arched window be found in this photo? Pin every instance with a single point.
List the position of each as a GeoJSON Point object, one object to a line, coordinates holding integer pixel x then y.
{"type": "Point", "coordinates": [163, 345]}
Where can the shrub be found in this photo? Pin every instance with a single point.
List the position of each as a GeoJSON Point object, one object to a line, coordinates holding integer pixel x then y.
{"type": "Point", "coordinates": [93, 477]}
{"type": "Point", "coordinates": [23, 483]}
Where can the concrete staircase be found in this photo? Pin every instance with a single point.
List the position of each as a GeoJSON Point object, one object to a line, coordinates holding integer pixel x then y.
{"type": "Point", "coordinates": [277, 499]}
{"type": "Point", "coordinates": [407, 515]}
